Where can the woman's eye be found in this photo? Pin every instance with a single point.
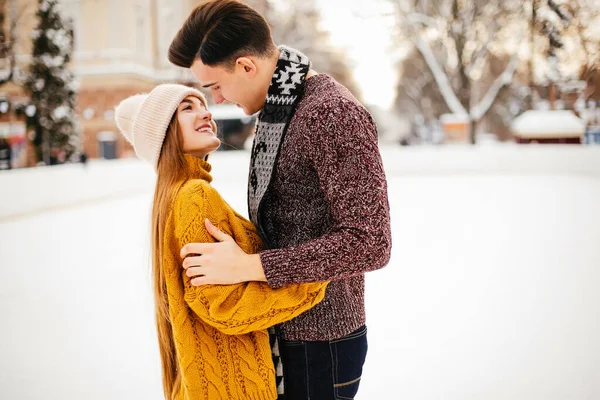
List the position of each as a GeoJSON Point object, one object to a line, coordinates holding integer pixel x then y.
{"type": "Point", "coordinates": [187, 108]}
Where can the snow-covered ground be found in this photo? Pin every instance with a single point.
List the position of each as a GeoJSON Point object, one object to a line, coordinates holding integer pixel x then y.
{"type": "Point", "coordinates": [491, 292]}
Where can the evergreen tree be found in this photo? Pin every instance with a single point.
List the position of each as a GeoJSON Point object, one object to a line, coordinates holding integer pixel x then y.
{"type": "Point", "coordinates": [52, 87]}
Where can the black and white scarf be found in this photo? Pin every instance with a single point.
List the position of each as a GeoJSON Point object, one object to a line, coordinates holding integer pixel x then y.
{"type": "Point", "coordinates": [287, 87]}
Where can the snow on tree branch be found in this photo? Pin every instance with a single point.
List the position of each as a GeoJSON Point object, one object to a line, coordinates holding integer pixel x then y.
{"type": "Point", "coordinates": [480, 109]}
{"type": "Point", "coordinates": [418, 18]}
{"type": "Point", "coordinates": [440, 77]}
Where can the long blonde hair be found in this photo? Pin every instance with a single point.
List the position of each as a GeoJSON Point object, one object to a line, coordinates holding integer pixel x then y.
{"type": "Point", "coordinates": [172, 172]}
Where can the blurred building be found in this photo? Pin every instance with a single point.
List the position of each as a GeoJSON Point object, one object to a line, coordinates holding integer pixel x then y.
{"type": "Point", "coordinates": [548, 126]}
{"type": "Point", "coordinates": [456, 128]}
{"type": "Point", "coordinates": [120, 49]}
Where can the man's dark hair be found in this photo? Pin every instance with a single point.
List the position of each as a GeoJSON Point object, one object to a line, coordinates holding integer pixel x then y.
{"type": "Point", "coordinates": [218, 32]}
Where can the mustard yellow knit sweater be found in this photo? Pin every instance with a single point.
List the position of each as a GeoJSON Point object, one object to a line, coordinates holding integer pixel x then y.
{"type": "Point", "coordinates": [219, 332]}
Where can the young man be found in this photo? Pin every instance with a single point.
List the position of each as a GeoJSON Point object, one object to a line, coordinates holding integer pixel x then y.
{"type": "Point", "coordinates": [317, 192]}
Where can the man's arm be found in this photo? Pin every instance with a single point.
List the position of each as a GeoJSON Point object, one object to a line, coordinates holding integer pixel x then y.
{"type": "Point", "coordinates": [345, 154]}
{"type": "Point", "coordinates": [232, 309]}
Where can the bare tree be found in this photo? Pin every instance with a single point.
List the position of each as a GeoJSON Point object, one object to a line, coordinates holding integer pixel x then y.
{"type": "Point", "coordinates": [7, 41]}
{"type": "Point", "coordinates": [458, 40]}
{"type": "Point", "coordinates": [580, 19]}
{"type": "Point", "coordinates": [417, 92]}
{"type": "Point", "coordinates": [12, 12]}
{"type": "Point", "coordinates": [584, 18]}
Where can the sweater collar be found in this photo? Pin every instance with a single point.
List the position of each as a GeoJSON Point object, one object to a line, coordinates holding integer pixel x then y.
{"type": "Point", "coordinates": [199, 169]}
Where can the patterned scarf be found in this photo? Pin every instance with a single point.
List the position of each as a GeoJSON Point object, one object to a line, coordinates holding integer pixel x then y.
{"type": "Point", "coordinates": [284, 93]}
{"type": "Point", "coordinates": [287, 87]}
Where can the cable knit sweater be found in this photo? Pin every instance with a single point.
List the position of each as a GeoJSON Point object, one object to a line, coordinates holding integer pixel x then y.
{"type": "Point", "coordinates": [326, 213]}
{"type": "Point", "coordinates": [223, 348]}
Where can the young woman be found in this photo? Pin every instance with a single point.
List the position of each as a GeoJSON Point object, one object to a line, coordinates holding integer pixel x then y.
{"type": "Point", "coordinates": [213, 339]}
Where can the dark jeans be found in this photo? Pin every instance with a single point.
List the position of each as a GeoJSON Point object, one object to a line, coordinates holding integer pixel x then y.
{"type": "Point", "coordinates": [328, 370]}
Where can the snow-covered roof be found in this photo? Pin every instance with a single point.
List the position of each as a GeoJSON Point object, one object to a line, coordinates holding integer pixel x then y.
{"type": "Point", "coordinates": [548, 124]}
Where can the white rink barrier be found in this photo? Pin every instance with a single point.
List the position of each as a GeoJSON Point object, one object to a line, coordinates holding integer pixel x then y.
{"type": "Point", "coordinates": [493, 159]}
{"type": "Point", "coordinates": [43, 189]}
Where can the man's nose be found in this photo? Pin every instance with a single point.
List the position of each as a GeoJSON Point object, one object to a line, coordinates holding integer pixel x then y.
{"type": "Point", "coordinates": [218, 98]}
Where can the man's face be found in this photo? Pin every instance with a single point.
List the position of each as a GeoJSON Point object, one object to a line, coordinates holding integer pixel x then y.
{"type": "Point", "coordinates": [237, 86]}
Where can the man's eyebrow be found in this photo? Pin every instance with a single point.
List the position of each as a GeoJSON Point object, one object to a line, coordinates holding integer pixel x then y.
{"type": "Point", "coordinates": [209, 85]}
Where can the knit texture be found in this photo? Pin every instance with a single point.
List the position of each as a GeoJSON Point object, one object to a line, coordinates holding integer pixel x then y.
{"type": "Point", "coordinates": [144, 118]}
{"type": "Point", "coordinates": [219, 331]}
{"type": "Point", "coordinates": [287, 85]}
{"type": "Point", "coordinates": [326, 214]}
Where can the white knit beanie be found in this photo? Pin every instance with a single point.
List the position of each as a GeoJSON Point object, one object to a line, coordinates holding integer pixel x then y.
{"type": "Point", "coordinates": [144, 118]}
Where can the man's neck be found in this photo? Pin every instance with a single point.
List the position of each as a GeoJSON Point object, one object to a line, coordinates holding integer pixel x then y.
{"type": "Point", "coordinates": [273, 64]}
{"type": "Point", "coordinates": [311, 73]}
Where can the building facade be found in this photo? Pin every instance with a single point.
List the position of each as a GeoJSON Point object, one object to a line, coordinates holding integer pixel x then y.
{"type": "Point", "coordinates": [121, 49]}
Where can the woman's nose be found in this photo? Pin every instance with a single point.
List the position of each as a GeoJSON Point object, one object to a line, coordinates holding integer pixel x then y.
{"type": "Point", "coordinates": [206, 115]}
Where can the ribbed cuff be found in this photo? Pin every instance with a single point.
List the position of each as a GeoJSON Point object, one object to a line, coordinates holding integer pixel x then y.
{"type": "Point", "coordinates": [276, 268]}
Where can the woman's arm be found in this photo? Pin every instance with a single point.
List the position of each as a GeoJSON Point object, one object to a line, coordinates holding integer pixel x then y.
{"type": "Point", "coordinates": [239, 308]}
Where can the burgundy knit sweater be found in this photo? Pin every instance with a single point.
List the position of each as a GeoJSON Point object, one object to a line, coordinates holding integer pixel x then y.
{"type": "Point", "coordinates": [326, 215]}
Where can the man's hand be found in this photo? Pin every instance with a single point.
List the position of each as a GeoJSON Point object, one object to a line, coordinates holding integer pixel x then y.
{"type": "Point", "coordinates": [220, 263]}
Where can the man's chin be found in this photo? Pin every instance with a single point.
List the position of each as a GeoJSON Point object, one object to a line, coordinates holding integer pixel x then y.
{"type": "Point", "coordinates": [246, 111]}
{"type": "Point", "coordinates": [250, 111]}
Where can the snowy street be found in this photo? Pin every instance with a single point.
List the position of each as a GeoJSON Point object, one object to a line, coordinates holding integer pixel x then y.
{"type": "Point", "coordinates": [491, 292]}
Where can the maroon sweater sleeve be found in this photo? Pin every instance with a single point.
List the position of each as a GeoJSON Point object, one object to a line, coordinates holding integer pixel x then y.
{"type": "Point", "coordinates": [345, 155]}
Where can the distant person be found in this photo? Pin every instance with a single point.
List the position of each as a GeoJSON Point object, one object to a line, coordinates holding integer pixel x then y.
{"type": "Point", "coordinates": [83, 158]}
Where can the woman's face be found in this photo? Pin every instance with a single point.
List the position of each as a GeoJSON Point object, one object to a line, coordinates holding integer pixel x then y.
{"type": "Point", "coordinates": [197, 128]}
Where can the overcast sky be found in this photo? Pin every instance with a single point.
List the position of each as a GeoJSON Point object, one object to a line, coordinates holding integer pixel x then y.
{"type": "Point", "coordinates": [362, 28]}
